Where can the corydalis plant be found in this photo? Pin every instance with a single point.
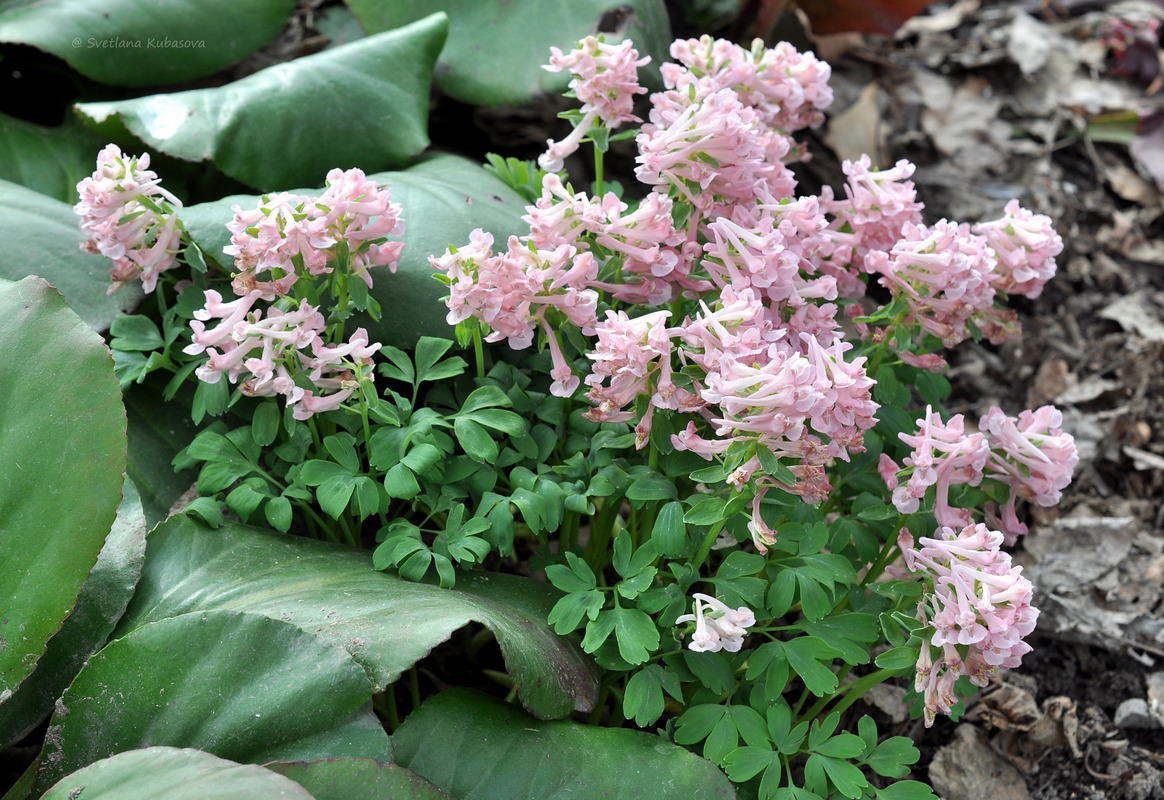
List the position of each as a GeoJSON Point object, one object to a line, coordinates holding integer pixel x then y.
{"type": "Point", "coordinates": [720, 301]}
{"type": "Point", "coordinates": [129, 218]}
{"type": "Point", "coordinates": [283, 348]}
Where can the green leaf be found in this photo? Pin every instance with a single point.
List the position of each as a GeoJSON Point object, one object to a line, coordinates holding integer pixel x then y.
{"type": "Point", "coordinates": [893, 757]}
{"type": "Point", "coordinates": [368, 100]}
{"type": "Point", "coordinates": [509, 70]}
{"type": "Point", "coordinates": [245, 687]}
{"type": "Point", "coordinates": [47, 160]}
{"type": "Point", "coordinates": [847, 778]}
{"type": "Point", "coordinates": [707, 511]}
{"type": "Point", "coordinates": [101, 603]}
{"type": "Point", "coordinates": [42, 237]}
{"type": "Point", "coordinates": [476, 441]}
{"type": "Point", "coordinates": [652, 487]}
{"type": "Point", "coordinates": [64, 455]}
{"type": "Point", "coordinates": [477, 748]}
{"type": "Point", "coordinates": [387, 624]}
{"type": "Point", "coordinates": [805, 654]}
{"type": "Point", "coordinates": [138, 43]}
{"type": "Point", "coordinates": [357, 779]}
{"type": "Point", "coordinates": [176, 774]}
{"type": "Point", "coordinates": [906, 790]}
{"type": "Point", "coordinates": [904, 657]}
{"type": "Point", "coordinates": [669, 533]}
{"type": "Point", "coordinates": [643, 700]}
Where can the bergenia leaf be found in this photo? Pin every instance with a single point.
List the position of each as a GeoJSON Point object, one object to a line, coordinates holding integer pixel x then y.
{"type": "Point", "coordinates": [475, 747]}
{"type": "Point", "coordinates": [142, 43]}
{"type": "Point", "coordinates": [64, 459]}
{"type": "Point", "coordinates": [386, 623]}
{"type": "Point", "coordinates": [176, 774]}
{"type": "Point", "coordinates": [367, 100]}
{"type": "Point", "coordinates": [509, 69]}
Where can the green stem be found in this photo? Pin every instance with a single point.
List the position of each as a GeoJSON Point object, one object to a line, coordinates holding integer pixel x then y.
{"type": "Point", "coordinates": [850, 693]}
{"type": "Point", "coordinates": [888, 552]}
{"type": "Point", "coordinates": [705, 546]}
{"type": "Point", "coordinates": [479, 351]}
{"type": "Point", "coordinates": [598, 170]}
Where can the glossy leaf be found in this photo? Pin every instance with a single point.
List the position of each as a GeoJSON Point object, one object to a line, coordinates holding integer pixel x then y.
{"type": "Point", "coordinates": [240, 686]}
{"type": "Point", "coordinates": [63, 452]}
{"type": "Point", "coordinates": [506, 66]}
{"type": "Point", "coordinates": [385, 622]}
{"type": "Point", "coordinates": [357, 779]}
{"type": "Point", "coordinates": [363, 104]}
{"type": "Point", "coordinates": [475, 747]}
{"type": "Point", "coordinates": [103, 599]}
{"type": "Point", "coordinates": [175, 774]}
{"type": "Point", "coordinates": [142, 42]}
{"type": "Point", "coordinates": [47, 160]}
{"type": "Point", "coordinates": [42, 237]}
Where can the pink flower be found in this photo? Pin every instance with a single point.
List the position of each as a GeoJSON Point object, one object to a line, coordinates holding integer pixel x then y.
{"type": "Point", "coordinates": [944, 272]}
{"type": "Point", "coordinates": [605, 80]}
{"type": "Point", "coordinates": [943, 455]}
{"type": "Point", "coordinates": [717, 627]}
{"type": "Point", "coordinates": [292, 234]}
{"type": "Point", "coordinates": [712, 150]}
{"type": "Point", "coordinates": [789, 89]}
{"type": "Point", "coordinates": [978, 605]}
{"type": "Point", "coordinates": [1025, 245]}
{"type": "Point", "coordinates": [606, 77]}
{"type": "Point", "coordinates": [130, 218]}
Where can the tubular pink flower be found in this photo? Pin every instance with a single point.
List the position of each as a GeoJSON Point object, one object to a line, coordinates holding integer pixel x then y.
{"type": "Point", "coordinates": [943, 455]}
{"type": "Point", "coordinates": [606, 77]}
{"type": "Point", "coordinates": [944, 273]}
{"type": "Point", "coordinates": [978, 605]}
{"type": "Point", "coordinates": [712, 150]}
{"type": "Point", "coordinates": [1031, 455]}
{"type": "Point", "coordinates": [129, 218]}
{"type": "Point", "coordinates": [1025, 245]}
{"type": "Point", "coordinates": [789, 89]}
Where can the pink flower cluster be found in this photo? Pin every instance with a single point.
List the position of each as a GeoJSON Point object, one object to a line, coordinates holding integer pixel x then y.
{"type": "Point", "coordinates": [290, 235]}
{"type": "Point", "coordinates": [281, 349]}
{"type": "Point", "coordinates": [606, 80]}
{"type": "Point", "coordinates": [979, 606]}
{"type": "Point", "coordinates": [263, 356]}
{"type": "Point", "coordinates": [746, 279]}
{"type": "Point", "coordinates": [130, 218]}
{"type": "Point", "coordinates": [1029, 457]}
{"type": "Point", "coordinates": [513, 291]}
{"type": "Point", "coordinates": [717, 626]}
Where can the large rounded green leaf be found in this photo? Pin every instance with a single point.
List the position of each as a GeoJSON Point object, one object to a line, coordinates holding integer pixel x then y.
{"type": "Point", "coordinates": [144, 42]}
{"type": "Point", "coordinates": [42, 236]}
{"type": "Point", "coordinates": [62, 447]}
{"type": "Point", "coordinates": [175, 774]}
{"type": "Point", "coordinates": [357, 779]}
{"type": "Point", "coordinates": [444, 197]}
{"type": "Point", "coordinates": [478, 748]}
{"type": "Point", "coordinates": [47, 160]}
{"type": "Point", "coordinates": [385, 622]}
{"type": "Point", "coordinates": [363, 104]}
{"type": "Point", "coordinates": [505, 65]}
{"type": "Point", "coordinates": [102, 602]}
{"type": "Point", "coordinates": [240, 686]}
